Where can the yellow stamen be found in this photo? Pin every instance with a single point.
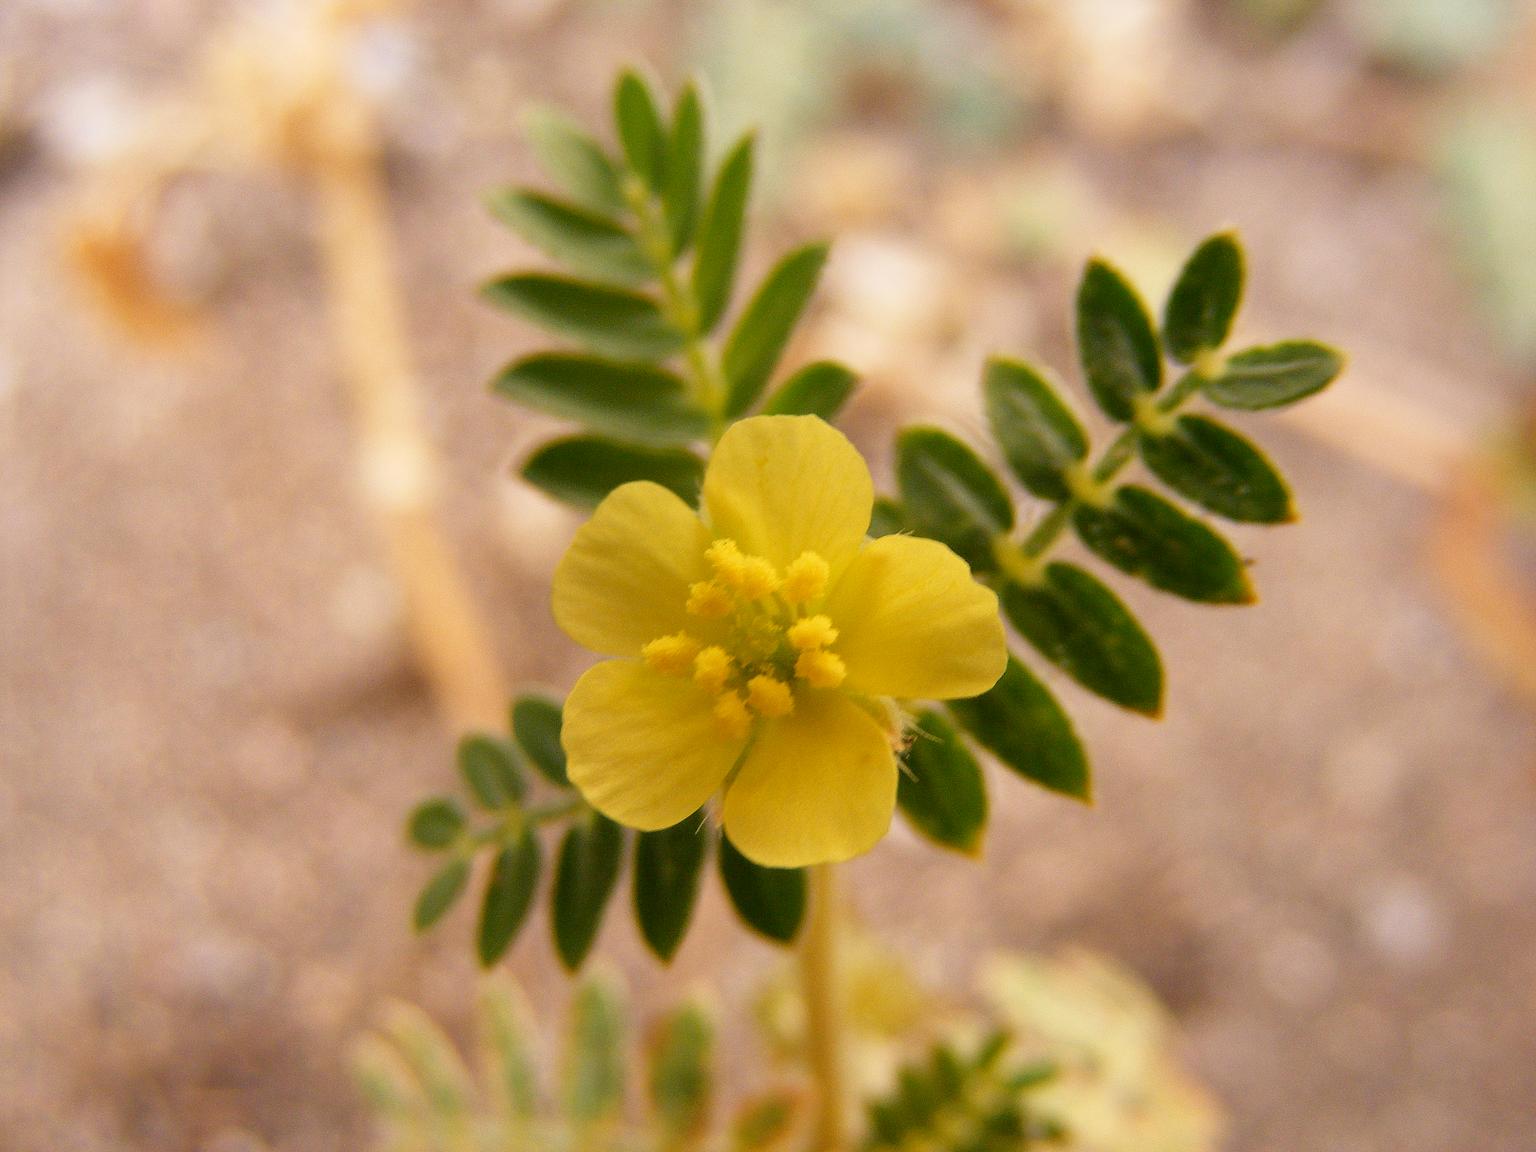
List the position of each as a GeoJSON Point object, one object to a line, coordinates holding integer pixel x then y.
{"type": "Point", "coordinates": [713, 667]}
{"type": "Point", "coordinates": [756, 578]}
{"type": "Point", "coordinates": [806, 578]}
{"type": "Point", "coordinates": [709, 600]}
{"type": "Point", "coordinates": [770, 697]}
{"type": "Point", "coordinates": [820, 668]}
{"type": "Point", "coordinates": [732, 716]}
{"type": "Point", "coordinates": [812, 632]}
{"type": "Point", "coordinates": [726, 559]}
{"type": "Point", "coordinates": [672, 655]}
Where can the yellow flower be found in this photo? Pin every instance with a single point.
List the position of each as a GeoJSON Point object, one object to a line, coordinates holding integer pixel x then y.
{"type": "Point", "coordinates": [758, 648]}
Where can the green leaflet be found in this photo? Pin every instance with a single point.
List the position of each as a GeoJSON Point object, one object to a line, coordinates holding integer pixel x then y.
{"type": "Point", "coordinates": [1019, 722]}
{"type": "Point", "coordinates": [940, 789]}
{"type": "Point", "coordinates": [685, 166]}
{"type": "Point", "coordinates": [668, 865]}
{"type": "Point", "coordinates": [585, 877]}
{"type": "Point", "coordinates": [679, 1080]}
{"type": "Point", "coordinates": [536, 727]}
{"type": "Point", "coordinates": [594, 1055]}
{"type": "Point", "coordinates": [888, 518]}
{"type": "Point", "coordinates": [590, 245]}
{"type": "Point", "coordinates": [489, 768]}
{"type": "Point", "coordinates": [758, 339]}
{"type": "Point", "coordinates": [1040, 437]}
{"type": "Point", "coordinates": [508, 896]}
{"type": "Point", "coordinates": [510, 1040]}
{"type": "Point", "coordinates": [640, 130]}
{"type": "Point", "coordinates": [577, 163]}
{"type": "Point", "coordinates": [771, 901]}
{"type": "Point", "coordinates": [1275, 375]}
{"type": "Point", "coordinates": [1116, 342]}
{"type": "Point", "coordinates": [1144, 535]}
{"type": "Point", "coordinates": [819, 389]}
{"type": "Point", "coordinates": [1220, 470]}
{"type": "Point", "coordinates": [441, 893]}
{"type": "Point", "coordinates": [626, 399]}
{"type": "Point", "coordinates": [1204, 300]}
{"type": "Point", "coordinates": [581, 470]}
{"type": "Point", "coordinates": [951, 495]}
{"type": "Point", "coordinates": [607, 320]}
{"type": "Point", "coordinates": [1079, 625]}
{"type": "Point", "coordinates": [719, 244]}
{"type": "Point", "coordinates": [435, 824]}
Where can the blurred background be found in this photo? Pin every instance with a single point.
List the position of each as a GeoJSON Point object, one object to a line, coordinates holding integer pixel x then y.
{"type": "Point", "coordinates": [211, 724]}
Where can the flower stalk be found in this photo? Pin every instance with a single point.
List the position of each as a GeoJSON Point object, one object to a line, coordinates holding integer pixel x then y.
{"type": "Point", "coordinates": [820, 977]}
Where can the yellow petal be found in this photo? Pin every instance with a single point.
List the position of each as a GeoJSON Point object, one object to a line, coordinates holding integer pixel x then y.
{"type": "Point", "coordinates": [783, 485]}
{"type": "Point", "coordinates": [643, 748]}
{"type": "Point", "coordinates": [912, 622]}
{"type": "Point", "coordinates": [818, 785]}
{"type": "Point", "coordinates": [624, 580]}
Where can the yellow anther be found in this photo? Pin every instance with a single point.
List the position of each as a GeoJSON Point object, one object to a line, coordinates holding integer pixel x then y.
{"type": "Point", "coordinates": [732, 716]}
{"type": "Point", "coordinates": [709, 600]}
{"type": "Point", "coordinates": [820, 668]}
{"type": "Point", "coordinates": [713, 667]}
{"type": "Point", "coordinates": [806, 579]}
{"type": "Point", "coordinates": [811, 633]}
{"type": "Point", "coordinates": [756, 578]}
{"type": "Point", "coordinates": [769, 697]}
{"type": "Point", "coordinates": [725, 558]}
{"type": "Point", "coordinates": [672, 655]}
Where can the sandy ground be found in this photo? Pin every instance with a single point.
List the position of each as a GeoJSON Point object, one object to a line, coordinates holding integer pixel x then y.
{"type": "Point", "coordinates": [1324, 859]}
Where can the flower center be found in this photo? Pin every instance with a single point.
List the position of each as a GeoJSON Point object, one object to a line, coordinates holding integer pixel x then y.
{"type": "Point", "coordinates": [767, 638]}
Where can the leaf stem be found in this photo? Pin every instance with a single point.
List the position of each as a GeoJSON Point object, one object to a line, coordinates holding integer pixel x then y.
{"type": "Point", "coordinates": [819, 984]}
{"type": "Point", "coordinates": [679, 303]}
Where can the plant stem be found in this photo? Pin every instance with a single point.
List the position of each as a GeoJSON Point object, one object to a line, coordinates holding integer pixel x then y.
{"type": "Point", "coordinates": [447, 630]}
{"type": "Point", "coordinates": [819, 980]}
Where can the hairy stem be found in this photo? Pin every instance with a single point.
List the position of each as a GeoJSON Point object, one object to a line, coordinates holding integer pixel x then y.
{"type": "Point", "coordinates": [819, 979]}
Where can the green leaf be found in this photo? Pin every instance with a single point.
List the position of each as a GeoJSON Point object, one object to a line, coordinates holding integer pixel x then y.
{"type": "Point", "coordinates": [490, 769]}
{"type": "Point", "coordinates": [1040, 437]}
{"type": "Point", "coordinates": [1079, 625]}
{"type": "Point", "coordinates": [761, 332]}
{"type": "Point", "coordinates": [1198, 315]}
{"type": "Point", "coordinates": [440, 893]}
{"type": "Point", "coordinates": [1145, 536]}
{"type": "Point", "coordinates": [435, 824]}
{"type": "Point", "coordinates": [578, 163]}
{"type": "Point", "coordinates": [1275, 375]}
{"type": "Point", "coordinates": [819, 389]}
{"type": "Point", "coordinates": [1220, 470]}
{"type": "Point", "coordinates": [668, 864]}
{"type": "Point", "coordinates": [888, 518]}
{"type": "Point", "coordinates": [770, 901]}
{"type": "Point", "coordinates": [536, 724]}
{"type": "Point", "coordinates": [1019, 722]}
{"type": "Point", "coordinates": [590, 245]}
{"type": "Point", "coordinates": [594, 1058]}
{"type": "Point", "coordinates": [507, 1027]}
{"type": "Point", "coordinates": [1116, 341]}
{"type": "Point", "coordinates": [940, 788]}
{"type": "Point", "coordinates": [680, 1083]}
{"type": "Point", "coordinates": [685, 165]}
{"type": "Point", "coordinates": [508, 896]}
{"type": "Point", "coordinates": [714, 264]}
{"type": "Point", "coordinates": [950, 495]}
{"type": "Point", "coordinates": [765, 1124]}
{"type": "Point", "coordinates": [626, 399]}
{"type": "Point", "coordinates": [581, 470]}
{"type": "Point", "coordinates": [638, 120]}
{"type": "Point", "coordinates": [585, 876]}
{"type": "Point", "coordinates": [610, 321]}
